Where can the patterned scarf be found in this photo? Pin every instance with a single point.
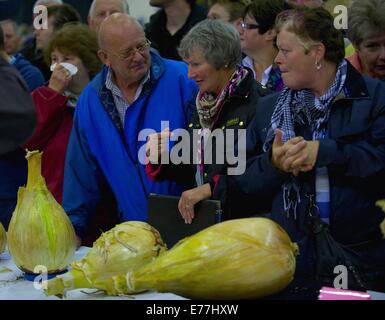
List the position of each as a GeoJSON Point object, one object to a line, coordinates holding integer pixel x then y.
{"type": "Point", "coordinates": [303, 108]}
{"type": "Point", "coordinates": [209, 105]}
{"type": "Point", "coordinates": [275, 82]}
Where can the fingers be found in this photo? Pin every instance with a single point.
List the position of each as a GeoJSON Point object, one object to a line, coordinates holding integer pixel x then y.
{"type": "Point", "coordinates": [60, 79]}
{"type": "Point", "coordinates": [294, 162]}
{"type": "Point", "coordinates": [292, 150]}
{"type": "Point", "coordinates": [281, 151]}
{"type": "Point", "coordinates": [295, 140]}
{"type": "Point", "coordinates": [186, 208]}
{"type": "Point", "coordinates": [303, 168]}
{"type": "Point", "coordinates": [307, 167]}
{"type": "Point", "coordinates": [62, 72]}
{"type": "Point", "coordinates": [277, 149]}
{"type": "Point", "coordinates": [157, 143]}
{"type": "Point", "coordinates": [278, 138]}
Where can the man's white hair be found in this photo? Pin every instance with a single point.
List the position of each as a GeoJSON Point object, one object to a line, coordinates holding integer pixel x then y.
{"type": "Point", "coordinates": [126, 7]}
{"type": "Point", "coordinates": [47, 2]}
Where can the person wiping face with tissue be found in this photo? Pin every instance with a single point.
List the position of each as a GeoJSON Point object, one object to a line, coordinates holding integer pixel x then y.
{"type": "Point", "coordinates": [72, 55]}
{"type": "Point", "coordinates": [69, 75]}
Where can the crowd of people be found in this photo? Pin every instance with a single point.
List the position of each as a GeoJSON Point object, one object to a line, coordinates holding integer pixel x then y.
{"type": "Point", "coordinates": [105, 101]}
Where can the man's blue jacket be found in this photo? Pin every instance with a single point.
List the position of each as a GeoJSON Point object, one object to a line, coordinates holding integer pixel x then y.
{"type": "Point", "coordinates": [101, 148]}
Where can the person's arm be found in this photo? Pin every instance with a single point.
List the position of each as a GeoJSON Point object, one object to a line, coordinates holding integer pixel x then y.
{"type": "Point", "coordinates": [363, 158]}
{"type": "Point", "coordinates": [17, 112]}
{"type": "Point", "coordinates": [360, 158]}
{"type": "Point", "coordinates": [50, 106]}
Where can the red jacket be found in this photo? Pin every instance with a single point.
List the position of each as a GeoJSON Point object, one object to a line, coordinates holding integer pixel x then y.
{"type": "Point", "coordinates": [54, 123]}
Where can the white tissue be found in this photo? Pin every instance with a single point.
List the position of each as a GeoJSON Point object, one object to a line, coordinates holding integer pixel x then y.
{"type": "Point", "coordinates": [69, 66]}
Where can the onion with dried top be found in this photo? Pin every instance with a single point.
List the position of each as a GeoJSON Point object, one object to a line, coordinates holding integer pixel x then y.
{"type": "Point", "coordinates": [40, 232]}
{"type": "Point", "coordinates": [127, 246]}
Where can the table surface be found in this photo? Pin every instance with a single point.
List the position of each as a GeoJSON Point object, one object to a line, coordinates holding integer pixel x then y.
{"type": "Point", "coordinates": [13, 286]}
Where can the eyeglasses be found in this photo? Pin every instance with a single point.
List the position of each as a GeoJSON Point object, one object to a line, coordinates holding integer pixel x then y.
{"type": "Point", "coordinates": [248, 26]}
{"type": "Point", "coordinates": [130, 53]}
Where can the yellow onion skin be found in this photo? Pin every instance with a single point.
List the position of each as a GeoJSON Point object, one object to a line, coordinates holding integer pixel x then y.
{"type": "Point", "coordinates": [3, 238]}
{"type": "Point", "coordinates": [236, 259]}
{"type": "Point", "coordinates": [381, 204]}
{"type": "Point", "coordinates": [125, 247]}
{"type": "Point", "coordinates": [40, 232]}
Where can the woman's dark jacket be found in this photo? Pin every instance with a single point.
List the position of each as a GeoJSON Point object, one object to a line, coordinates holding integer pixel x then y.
{"type": "Point", "coordinates": [354, 154]}
{"type": "Point", "coordinates": [236, 113]}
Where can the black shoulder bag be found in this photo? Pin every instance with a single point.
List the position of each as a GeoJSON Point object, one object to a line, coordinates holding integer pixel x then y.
{"type": "Point", "coordinates": [362, 274]}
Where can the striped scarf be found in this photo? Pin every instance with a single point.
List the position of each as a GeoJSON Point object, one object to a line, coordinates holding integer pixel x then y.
{"type": "Point", "coordinates": [209, 105]}
{"type": "Point", "coordinates": [303, 108]}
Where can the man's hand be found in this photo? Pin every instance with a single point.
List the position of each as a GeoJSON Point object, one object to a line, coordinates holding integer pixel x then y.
{"type": "Point", "coordinates": [60, 79]}
{"type": "Point", "coordinates": [156, 145]}
{"type": "Point", "coordinates": [191, 197]}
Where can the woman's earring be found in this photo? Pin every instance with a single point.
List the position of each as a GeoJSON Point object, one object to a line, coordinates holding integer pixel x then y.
{"type": "Point", "coordinates": [318, 65]}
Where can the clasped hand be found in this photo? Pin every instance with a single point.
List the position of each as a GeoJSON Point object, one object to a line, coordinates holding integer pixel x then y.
{"type": "Point", "coordinates": [294, 156]}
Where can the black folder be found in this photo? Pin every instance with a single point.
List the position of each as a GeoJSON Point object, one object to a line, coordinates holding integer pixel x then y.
{"type": "Point", "coordinates": [164, 215]}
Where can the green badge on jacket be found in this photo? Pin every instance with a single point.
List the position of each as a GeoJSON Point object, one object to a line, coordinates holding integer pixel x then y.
{"type": "Point", "coordinates": [232, 122]}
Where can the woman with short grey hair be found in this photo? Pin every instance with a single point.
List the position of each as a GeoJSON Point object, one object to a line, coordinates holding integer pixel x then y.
{"type": "Point", "coordinates": [218, 41]}
{"type": "Point", "coordinates": [226, 100]}
{"type": "Point", "coordinates": [366, 31]}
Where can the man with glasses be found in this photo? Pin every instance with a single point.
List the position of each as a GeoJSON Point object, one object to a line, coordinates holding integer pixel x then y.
{"type": "Point", "coordinates": [136, 90]}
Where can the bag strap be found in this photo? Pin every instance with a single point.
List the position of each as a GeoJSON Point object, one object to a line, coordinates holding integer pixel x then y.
{"type": "Point", "coordinates": [316, 225]}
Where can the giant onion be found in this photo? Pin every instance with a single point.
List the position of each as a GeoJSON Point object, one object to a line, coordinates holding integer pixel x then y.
{"type": "Point", "coordinates": [237, 259]}
{"type": "Point", "coordinates": [40, 232]}
{"type": "Point", "coordinates": [127, 246]}
{"type": "Point", "coordinates": [381, 204]}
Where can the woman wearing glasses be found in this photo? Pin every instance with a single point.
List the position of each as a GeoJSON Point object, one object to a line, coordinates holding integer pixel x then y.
{"type": "Point", "coordinates": [322, 156]}
{"type": "Point", "coordinates": [258, 41]}
{"type": "Point", "coordinates": [225, 102]}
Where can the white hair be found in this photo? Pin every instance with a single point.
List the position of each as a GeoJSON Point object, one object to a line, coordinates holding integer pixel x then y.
{"type": "Point", "coordinates": [125, 6]}
{"type": "Point", "coordinates": [45, 2]}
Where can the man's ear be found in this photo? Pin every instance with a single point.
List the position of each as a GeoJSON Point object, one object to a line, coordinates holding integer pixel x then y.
{"type": "Point", "coordinates": [103, 56]}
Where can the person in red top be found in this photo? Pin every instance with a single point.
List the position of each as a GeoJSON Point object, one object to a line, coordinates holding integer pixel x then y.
{"type": "Point", "coordinates": [72, 48]}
